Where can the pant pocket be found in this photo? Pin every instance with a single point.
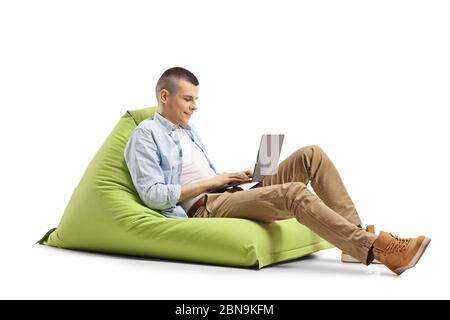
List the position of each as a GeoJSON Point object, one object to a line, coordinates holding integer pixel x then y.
{"type": "Point", "coordinates": [210, 200]}
{"type": "Point", "coordinates": [201, 212]}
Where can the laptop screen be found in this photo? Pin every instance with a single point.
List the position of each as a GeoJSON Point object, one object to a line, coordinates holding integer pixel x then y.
{"type": "Point", "coordinates": [268, 156]}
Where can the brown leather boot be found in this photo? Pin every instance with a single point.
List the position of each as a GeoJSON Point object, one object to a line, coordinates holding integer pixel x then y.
{"type": "Point", "coordinates": [345, 257]}
{"type": "Point", "coordinates": [399, 254]}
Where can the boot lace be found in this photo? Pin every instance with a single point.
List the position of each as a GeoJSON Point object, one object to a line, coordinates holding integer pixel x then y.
{"type": "Point", "coordinates": [397, 244]}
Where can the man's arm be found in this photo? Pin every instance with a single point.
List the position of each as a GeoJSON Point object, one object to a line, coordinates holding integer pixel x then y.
{"type": "Point", "coordinates": [193, 189]}
{"type": "Point", "coordinates": [142, 158]}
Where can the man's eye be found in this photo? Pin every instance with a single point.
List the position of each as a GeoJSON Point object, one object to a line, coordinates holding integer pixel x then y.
{"type": "Point", "coordinates": [187, 99]}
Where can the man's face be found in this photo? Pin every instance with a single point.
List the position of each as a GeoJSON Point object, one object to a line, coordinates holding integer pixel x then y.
{"type": "Point", "coordinates": [180, 105]}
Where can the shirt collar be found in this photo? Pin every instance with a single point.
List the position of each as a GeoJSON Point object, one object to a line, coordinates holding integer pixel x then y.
{"type": "Point", "coordinates": [169, 125]}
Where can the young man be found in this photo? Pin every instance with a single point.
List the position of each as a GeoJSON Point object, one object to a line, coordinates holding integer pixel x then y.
{"type": "Point", "coordinates": [173, 174]}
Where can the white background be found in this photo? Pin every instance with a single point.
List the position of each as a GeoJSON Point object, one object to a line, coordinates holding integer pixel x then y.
{"type": "Point", "coordinates": [368, 81]}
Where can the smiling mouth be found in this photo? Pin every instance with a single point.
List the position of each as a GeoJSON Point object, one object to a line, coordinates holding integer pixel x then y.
{"type": "Point", "coordinates": [189, 114]}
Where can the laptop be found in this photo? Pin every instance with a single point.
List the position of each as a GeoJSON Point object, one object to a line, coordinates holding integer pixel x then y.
{"type": "Point", "coordinates": [266, 161]}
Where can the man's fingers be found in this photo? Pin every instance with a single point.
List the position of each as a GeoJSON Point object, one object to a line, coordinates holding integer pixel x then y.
{"type": "Point", "coordinates": [244, 176]}
{"type": "Point", "coordinates": [239, 176]}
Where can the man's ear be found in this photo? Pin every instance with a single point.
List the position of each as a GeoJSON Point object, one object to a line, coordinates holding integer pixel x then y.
{"type": "Point", "coordinates": [163, 95]}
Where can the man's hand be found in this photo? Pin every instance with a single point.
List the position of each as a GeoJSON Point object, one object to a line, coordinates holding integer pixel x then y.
{"type": "Point", "coordinates": [224, 178]}
{"type": "Point", "coordinates": [193, 189]}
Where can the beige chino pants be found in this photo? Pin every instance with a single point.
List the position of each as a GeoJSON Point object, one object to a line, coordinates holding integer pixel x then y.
{"type": "Point", "coordinates": [331, 213]}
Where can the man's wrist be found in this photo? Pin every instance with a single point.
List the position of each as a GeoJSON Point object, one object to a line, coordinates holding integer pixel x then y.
{"type": "Point", "coordinates": [207, 185]}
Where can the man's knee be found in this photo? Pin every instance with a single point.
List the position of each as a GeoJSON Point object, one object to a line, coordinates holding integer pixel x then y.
{"type": "Point", "coordinates": [312, 148]}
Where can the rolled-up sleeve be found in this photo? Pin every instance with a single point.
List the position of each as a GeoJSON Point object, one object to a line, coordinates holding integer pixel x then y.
{"type": "Point", "coordinates": [143, 161]}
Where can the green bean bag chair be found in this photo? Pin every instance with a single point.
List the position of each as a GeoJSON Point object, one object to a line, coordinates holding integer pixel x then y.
{"type": "Point", "coordinates": [105, 214]}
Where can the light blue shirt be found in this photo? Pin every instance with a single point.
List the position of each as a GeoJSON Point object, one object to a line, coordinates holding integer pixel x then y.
{"type": "Point", "coordinates": [154, 158]}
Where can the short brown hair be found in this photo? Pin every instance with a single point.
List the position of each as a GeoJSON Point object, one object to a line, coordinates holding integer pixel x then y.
{"type": "Point", "coordinates": [169, 80]}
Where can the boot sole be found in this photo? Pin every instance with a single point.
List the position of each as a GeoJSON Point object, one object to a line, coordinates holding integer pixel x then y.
{"type": "Point", "coordinates": [416, 257]}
